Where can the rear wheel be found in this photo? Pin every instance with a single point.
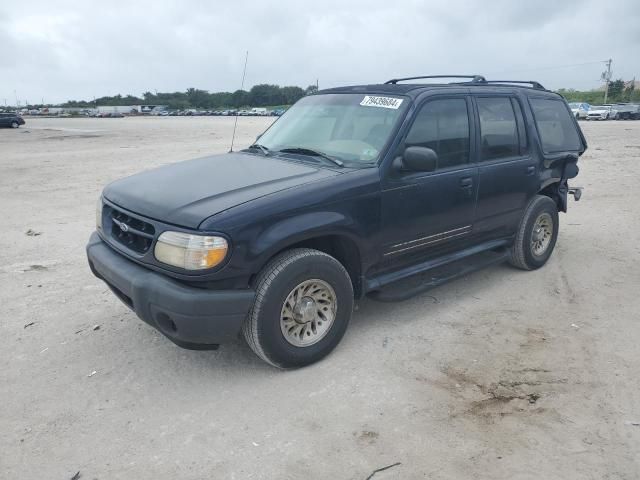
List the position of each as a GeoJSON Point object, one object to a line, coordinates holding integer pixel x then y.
{"type": "Point", "coordinates": [537, 234]}
{"type": "Point", "coordinates": [304, 301]}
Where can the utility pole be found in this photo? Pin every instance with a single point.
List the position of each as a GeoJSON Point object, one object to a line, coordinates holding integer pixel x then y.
{"type": "Point", "coordinates": [606, 76]}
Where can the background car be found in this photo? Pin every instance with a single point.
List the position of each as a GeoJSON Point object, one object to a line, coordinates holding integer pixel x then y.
{"type": "Point", "coordinates": [627, 111]}
{"type": "Point", "coordinates": [579, 110]}
{"type": "Point", "coordinates": [12, 120]}
{"type": "Point", "coordinates": [600, 112]}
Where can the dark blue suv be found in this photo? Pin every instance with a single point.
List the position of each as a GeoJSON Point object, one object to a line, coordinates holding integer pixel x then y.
{"type": "Point", "coordinates": [12, 120]}
{"type": "Point", "coordinates": [379, 190]}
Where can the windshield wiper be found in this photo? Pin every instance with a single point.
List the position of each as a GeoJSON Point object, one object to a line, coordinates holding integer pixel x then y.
{"type": "Point", "coordinates": [262, 148]}
{"type": "Point", "coordinates": [311, 153]}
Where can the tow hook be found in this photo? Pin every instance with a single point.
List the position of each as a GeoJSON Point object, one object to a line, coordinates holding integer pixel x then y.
{"type": "Point", "coordinates": [576, 192]}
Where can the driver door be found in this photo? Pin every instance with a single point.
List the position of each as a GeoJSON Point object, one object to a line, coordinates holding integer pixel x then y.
{"type": "Point", "coordinates": [427, 214]}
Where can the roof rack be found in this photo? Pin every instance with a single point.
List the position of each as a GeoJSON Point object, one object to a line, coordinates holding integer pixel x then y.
{"type": "Point", "coordinates": [533, 83]}
{"type": "Point", "coordinates": [474, 78]}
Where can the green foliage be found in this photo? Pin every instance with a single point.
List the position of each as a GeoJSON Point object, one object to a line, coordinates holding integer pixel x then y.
{"type": "Point", "coordinates": [618, 92]}
{"type": "Point", "coordinates": [262, 95]}
{"type": "Point", "coordinates": [615, 89]}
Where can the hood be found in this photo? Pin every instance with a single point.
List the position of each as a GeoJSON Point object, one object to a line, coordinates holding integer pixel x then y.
{"type": "Point", "coordinates": [598, 110]}
{"type": "Point", "coordinates": [186, 193]}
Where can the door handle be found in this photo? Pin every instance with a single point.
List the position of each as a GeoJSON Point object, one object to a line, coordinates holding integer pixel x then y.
{"type": "Point", "coordinates": [466, 182]}
{"type": "Point", "coordinates": [531, 170]}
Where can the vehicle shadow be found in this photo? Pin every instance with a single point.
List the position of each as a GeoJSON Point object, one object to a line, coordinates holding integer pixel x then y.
{"type": "Point", "coordinates": [370, 319]}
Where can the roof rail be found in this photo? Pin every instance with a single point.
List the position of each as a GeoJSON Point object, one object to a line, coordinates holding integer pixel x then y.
{"type": "Point", "coordinates": [533, 83]}
{"type": "Point", "coordinates": [474, 78]}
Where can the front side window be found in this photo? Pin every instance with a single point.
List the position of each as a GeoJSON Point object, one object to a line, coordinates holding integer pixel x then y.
{"type": "Point", "coordinates": [352, 128]}
{"type": "Point", "coordinates": [498, 128]}
{"type": "Point", "coordinates": [443, 126]}
{"type": "Point", "coordinates": [556, 126]}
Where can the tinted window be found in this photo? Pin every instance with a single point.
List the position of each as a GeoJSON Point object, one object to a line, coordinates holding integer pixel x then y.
{"type": "Point", "coordinates": [443, 125]}
{"type": "Point", "coordinates": [498, 129]}
{"type": "Point", "coordinates": [555, 126]}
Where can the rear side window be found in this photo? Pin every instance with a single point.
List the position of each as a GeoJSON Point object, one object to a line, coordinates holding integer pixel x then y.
{"type": "Point", "coordinates": [498, 128]}
{"type": "Point", "coordinates": [555, 126]}
{"type": "Point", "coordinates": [443, 125]}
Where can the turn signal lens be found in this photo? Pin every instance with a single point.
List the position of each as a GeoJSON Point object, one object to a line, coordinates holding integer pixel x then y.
{"type": "Point", "coordinates": [190, 252]}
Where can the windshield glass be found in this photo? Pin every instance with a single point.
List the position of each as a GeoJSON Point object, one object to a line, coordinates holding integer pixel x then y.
{"type": "Point", "coordinates": [352, 128]}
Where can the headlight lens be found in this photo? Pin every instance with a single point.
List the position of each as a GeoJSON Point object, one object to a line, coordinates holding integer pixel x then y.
{"type": "Point", "coordinates": [190, 252]}
{"type": "Point", "coordinates": [99, 213]}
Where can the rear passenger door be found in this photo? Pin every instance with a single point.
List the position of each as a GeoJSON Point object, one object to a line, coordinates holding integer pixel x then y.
{"type": "Point", "coordinates": [508, 174]}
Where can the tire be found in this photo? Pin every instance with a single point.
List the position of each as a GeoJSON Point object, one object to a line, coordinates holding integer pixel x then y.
{"type": "Point", "coordinates": [530, 251]}
{"type": "Point", "coordinates": [15, 124]}
{"type": "Point", "coordinates": [270, 323]}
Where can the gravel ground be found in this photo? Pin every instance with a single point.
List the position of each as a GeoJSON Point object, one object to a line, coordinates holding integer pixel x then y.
{"type": "Point", "coordinates": [501, 375]}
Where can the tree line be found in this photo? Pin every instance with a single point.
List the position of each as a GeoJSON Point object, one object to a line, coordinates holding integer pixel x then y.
{"type": "Point", "coordinates": [262, 95]}
{"type": "Point", "coordinates": [266, 95]}
{"type": "Point", "coordinates": [619, 92]}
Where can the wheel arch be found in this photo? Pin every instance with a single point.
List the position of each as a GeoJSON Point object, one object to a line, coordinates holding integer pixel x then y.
{"type": "Point", "coordinates": [556, 192]}
{"type": "Point", "coordinates": [341, 246]}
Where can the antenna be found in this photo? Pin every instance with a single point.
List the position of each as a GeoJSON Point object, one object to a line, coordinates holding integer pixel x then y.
{"type": "Point", "coordinates": [235, 124]}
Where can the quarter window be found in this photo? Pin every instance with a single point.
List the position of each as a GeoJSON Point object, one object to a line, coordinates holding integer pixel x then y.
{"type": "Point", "coordinates": [443, 126]}
{"type": "Point", "coordinates": [556, 126]}
{"type": "Point", "coordinates": [498, 128]}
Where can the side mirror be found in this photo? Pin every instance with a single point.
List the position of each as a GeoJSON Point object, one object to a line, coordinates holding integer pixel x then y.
{"type": "Point", "coordinates": [420, 159]}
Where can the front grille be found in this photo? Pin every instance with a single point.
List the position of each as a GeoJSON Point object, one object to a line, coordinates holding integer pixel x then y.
{"type": "Point", "coordinates": [131, 232]}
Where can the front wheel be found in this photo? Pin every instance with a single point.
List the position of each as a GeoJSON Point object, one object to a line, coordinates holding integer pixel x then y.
{"type": "Point", "coordinates": [304, 301]}
{"type": "Point", "coordinates": [15, 124]}
{"type": "Point", "coordinates": [537, 234]}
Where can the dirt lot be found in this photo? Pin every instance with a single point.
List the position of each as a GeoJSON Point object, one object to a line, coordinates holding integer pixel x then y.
{"type": "Point", "coordinates": [501, 375]}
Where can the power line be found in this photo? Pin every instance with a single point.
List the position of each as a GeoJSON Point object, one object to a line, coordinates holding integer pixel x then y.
{"type": "Point", "coordinates": [555, 67]}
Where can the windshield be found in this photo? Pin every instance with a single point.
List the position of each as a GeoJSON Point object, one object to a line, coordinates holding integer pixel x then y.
{"type": "Point", "coordinates": [352, 128]}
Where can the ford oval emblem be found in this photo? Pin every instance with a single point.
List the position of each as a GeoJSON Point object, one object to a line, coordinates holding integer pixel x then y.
{"type": "Point", "coordinates": [123, 226]}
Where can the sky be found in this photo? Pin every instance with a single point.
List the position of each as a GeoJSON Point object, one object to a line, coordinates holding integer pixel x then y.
{"type": "Point", "coordinates": [59, 50]}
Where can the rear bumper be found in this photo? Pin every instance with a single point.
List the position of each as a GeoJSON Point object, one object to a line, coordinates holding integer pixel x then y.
{"type": "Point", "coordinates": [190, 317]}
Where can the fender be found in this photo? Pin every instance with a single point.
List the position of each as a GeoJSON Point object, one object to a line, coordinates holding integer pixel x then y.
{"type": "Point", "coordinates": [306, 226]}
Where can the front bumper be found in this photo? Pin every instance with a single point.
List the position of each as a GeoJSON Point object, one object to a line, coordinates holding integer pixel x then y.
{"type": "Point", "coordinates": [191, 317]}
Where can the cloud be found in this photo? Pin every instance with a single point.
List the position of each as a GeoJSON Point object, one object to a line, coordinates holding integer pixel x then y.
{"type": "Point", "coordinates": [72, 50]}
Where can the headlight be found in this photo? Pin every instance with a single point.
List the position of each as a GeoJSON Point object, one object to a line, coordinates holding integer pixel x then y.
{"type": "Point", "coordinates": [191, 252]}
{"type": "Point", "coordinates": [99, 213]}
